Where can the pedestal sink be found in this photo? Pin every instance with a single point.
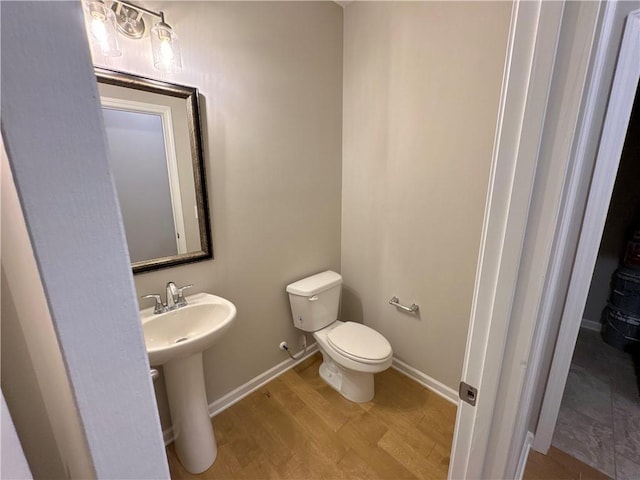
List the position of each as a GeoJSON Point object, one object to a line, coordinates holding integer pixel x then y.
{"type": "Point", "coordinates": [176, 340]}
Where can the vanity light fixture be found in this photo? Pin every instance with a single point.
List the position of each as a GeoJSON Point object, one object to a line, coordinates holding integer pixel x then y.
{"type": "Point", "coordinates": [128, 20]}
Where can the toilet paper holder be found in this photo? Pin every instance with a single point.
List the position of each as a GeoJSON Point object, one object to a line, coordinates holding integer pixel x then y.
{"type": "Point", "coordinates": [395, 301]}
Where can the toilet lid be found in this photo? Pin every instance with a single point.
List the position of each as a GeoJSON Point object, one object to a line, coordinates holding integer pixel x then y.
{"type": "Point", "coordinates": [360, 341]}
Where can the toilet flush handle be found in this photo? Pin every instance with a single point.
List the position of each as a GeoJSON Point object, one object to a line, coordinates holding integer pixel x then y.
{"type": "Point", "coordinates": [314, 298]}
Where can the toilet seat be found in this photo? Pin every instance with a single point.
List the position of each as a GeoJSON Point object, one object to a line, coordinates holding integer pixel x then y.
{"type": "Point", "coordinates": [359, 343]}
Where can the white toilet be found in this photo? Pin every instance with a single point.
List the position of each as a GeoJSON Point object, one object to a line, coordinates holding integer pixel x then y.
{"type": "Point", "coordinates": [351, 352]}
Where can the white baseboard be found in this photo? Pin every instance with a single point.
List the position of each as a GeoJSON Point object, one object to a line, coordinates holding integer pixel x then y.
{"type": "Point", "coordinates": [524, 455]}
{"type": "Point", "coordinates": [168, 436]}
{"type": "Point", "coordinates": [252, 385]}
{"type": "Point", "coordinates": [591, 325]}
{"type": "Point", "coordinates": [425, 380]}
{"type": "Point", "coordinates": [255, 383]}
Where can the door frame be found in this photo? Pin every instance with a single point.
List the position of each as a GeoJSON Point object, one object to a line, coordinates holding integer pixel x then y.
{"type": "Point", "coordinates": [171, 157]}
{"type": "Point", "coordinates": [60, 169]}
{"type": "Point", "coordinates": [488, 329]}
{"type": "Point", "coordinates": [531, 50]}
{"type": "Point", "coordinates": [623, 92]}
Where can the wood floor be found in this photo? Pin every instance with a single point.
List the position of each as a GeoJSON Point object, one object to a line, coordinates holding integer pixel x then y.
{"type": "Point", "coordinates": [297, 427]}
{"type": "Point", "coordinates": [559, 465]}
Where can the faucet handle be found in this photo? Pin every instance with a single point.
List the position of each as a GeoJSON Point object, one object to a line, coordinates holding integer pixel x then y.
{"type": "Point", "coordinates": [181, 300]}
{"type": "Point", "coordinates": [159, 306]}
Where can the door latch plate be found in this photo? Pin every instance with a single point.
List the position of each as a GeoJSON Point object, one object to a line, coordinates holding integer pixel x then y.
{"type": "Point", "coordinates": [468, 393]}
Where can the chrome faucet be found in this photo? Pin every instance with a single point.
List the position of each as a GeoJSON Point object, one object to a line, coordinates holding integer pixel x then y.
{"type": "Point", "coordinates": [174, 298]}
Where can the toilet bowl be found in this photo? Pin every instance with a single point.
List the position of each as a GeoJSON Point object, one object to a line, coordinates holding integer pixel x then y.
{"type": "Point", "coordinates": [349, 361]}
{"type": "Point", "coordinates": [351, 352]}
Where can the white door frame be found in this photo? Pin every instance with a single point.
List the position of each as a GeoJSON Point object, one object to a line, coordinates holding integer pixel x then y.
{"type": "Point", "coordinates": [61, 171]}
{"type": "Point", "coordinates": [623, 92]}
{"type": "Point", "coordinates": [531, 50]}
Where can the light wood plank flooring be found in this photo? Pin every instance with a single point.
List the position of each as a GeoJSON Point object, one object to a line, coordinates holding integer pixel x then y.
{"type": "Point", "coordinates": [559, 465]}
{"type": "Point", "coordinates": [297, 427]}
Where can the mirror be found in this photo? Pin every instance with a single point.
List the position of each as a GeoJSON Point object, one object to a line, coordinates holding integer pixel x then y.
{"type": "Point", "coordinates": [155, 152]}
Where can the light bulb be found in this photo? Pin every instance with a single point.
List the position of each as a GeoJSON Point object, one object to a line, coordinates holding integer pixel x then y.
{"type": "Point", "coordinates": [102, 28]}
{"type": "Point", "coordinates": [99, 31]}
{"type": "Point", "coordinates": [166, 49]}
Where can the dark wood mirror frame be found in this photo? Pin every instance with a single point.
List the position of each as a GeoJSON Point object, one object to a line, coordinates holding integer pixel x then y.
{"type": "Point", "coordinates": [191, 98]}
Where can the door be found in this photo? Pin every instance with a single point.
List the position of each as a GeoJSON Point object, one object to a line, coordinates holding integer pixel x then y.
{"type": "Point", "coordinates": [627, 76]}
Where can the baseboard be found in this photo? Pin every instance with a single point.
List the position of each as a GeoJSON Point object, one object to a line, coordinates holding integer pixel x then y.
{"type": "Point", "coordinates": [168, 436]}
{"type": "Point", "coordinates": [255, 383]}
{"type": "Point", "coordinates": [425, 380]}
{"type": "Point", "coordinates": [524, 455]}
{"type": "Point", "coordinates": [591, 325]}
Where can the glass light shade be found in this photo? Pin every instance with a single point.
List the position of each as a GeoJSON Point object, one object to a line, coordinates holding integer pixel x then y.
{"type": "Point", "coordinates": [166, 48]}
{"type": "Point", "coordinates": [102, 28]}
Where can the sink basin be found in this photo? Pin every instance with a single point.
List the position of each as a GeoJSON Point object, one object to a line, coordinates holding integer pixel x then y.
{"type": "Point", "coordinates": [187, 330]}
{"type": "Point", "coordinates": [176, 340]}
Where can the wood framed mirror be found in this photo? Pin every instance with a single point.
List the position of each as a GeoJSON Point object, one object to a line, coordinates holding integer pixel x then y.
{"type": "Point", "coordinates": [155, 150]}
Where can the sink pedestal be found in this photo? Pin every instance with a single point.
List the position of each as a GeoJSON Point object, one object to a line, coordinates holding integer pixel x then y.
{"type": "Point", "coordinates": [194, 439]}
{"type": "Point", "coordinates": [175, 340]}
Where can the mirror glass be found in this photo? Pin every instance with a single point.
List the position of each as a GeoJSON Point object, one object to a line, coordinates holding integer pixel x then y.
{"type": "Point", "coordinates": [155, 152]}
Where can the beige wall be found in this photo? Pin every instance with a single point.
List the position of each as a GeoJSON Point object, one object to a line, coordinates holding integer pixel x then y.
{"type": "Point", "coordinates": [270, 76]}
{"type": "Point", "coordinates": [419, 123]}
{"type": "Point", "coordinates": [421, 92]}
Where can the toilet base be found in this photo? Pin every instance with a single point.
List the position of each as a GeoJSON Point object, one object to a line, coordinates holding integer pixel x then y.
{"type": "Point", "coordinates": [354, 386]}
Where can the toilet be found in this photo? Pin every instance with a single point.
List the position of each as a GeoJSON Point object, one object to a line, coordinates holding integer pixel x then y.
{"type": "Point", "coordinates": [351, 352]}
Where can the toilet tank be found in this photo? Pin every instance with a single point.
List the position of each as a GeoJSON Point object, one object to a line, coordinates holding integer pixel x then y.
{"type": "Point", "coordinates": [315, 300]}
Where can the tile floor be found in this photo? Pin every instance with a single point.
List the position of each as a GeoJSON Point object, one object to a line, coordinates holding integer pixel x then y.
{"type": "Point", "coordinates": [599, 420]}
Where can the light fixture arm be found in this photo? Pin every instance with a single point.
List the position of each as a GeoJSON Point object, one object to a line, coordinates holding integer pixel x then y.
{"type": "Point", "coordinates": [160, 15]}
{"type": "Point", "coordinates": [129, 18]}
